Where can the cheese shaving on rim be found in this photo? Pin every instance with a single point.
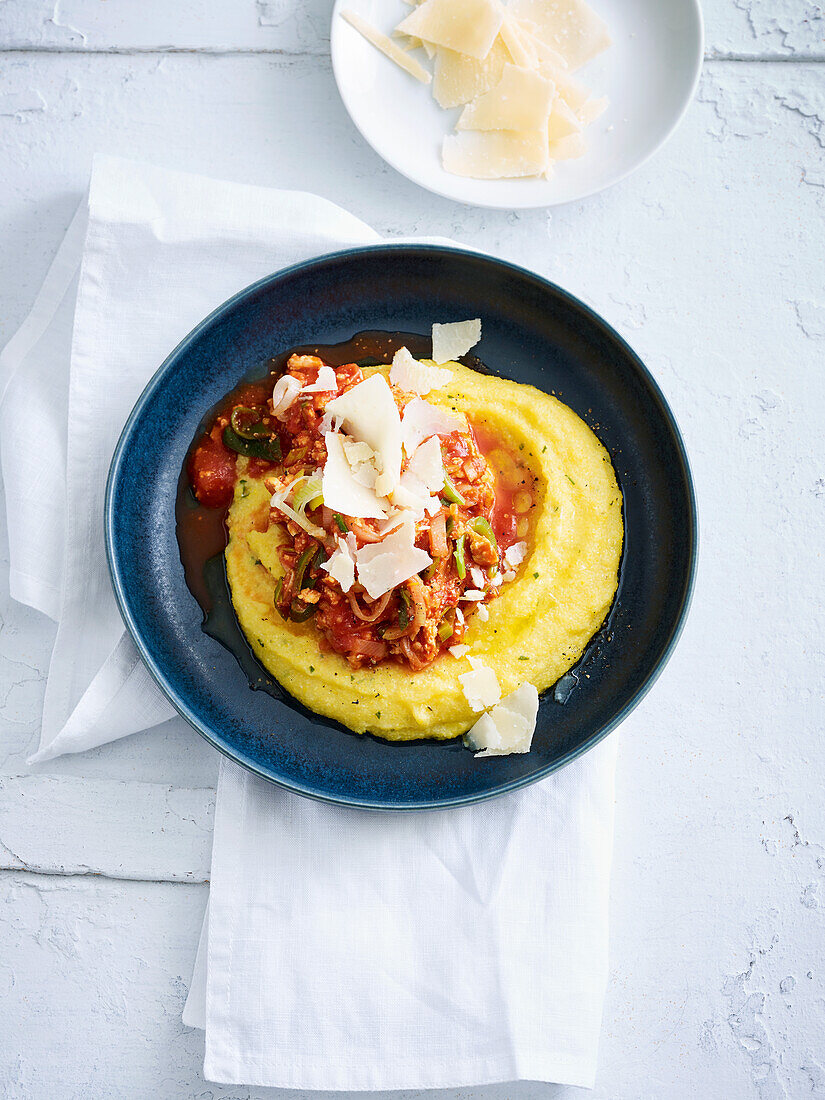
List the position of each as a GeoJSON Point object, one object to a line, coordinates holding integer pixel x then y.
{"type": "Point", "coordinates": [369, 414]}
{"type": "Point", "coordinates": [421, 420]}
{"type": "Point", "coordinates": [453, 340]}
{"type": "Point", "coordinates": [342, 491]}
{"type": "Point", "coordinates": [383, 565]}
{"type": "Point", "coordinates": [414, 376]}
{"type": "Point", "coordinates": [469, 27]}
{"type": "Point", "coordinates": [481, 687]}
{"type": "Point", "coordinates": [387, 47]}
{"type": "Point", "coordinates": [325, 382]}
{"type": "Point", "coordinates": [341, 564]}
{"type": "Point", "coordinates": [285, 394]}
{"type": "Point", "coordinates": [509, 726]}
{"type": "Point", "coordinates": [514, 555]}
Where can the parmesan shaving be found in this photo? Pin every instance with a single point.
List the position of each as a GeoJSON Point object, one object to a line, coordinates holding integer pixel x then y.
{"type": "Point", "coordinates": [413, 376]}
{"type": "Point", "coordinates": [370, 415]}
{"type": "Point", "coordinates": [508, 727]}
{"type": "Point", "coordinates": [387, 47]}
{"type": "Point", "coordinates": [341, 564]}
{"type": "Point", "coordinates": [568, 148]}
{"type": "Point", "coordinates": [572, 91]}
{"type": "Point", "coordinates": [325, 383]}
{"type": "Point", "coordinates": [519, 46]}
{"type": "Point", "coordinates": [495, 154]}
{"type": "Point", "coordinates": [470, 27]}
{"type": "Point", "coordinates": [529, 34]}
{"type": "Point", "coordinates": [458, 651]}
{"type": "Point", "coordinates": [454, 340]}
{"type": "Point", "coordinates": [384, 565]}
{"type": "Point", "coordinates": [458, 78]}
{"type": "Point", "coordinates": [342, 492]}
{"type": "Point", "coordinates": [593, 109]}
{"type": "Point", "coordinates": [483, 613]}
{"type": "Point", "coordinates": [563, 120]}
{"type": "Point", "coordinates": [427, 465]}
{"type": "Point", "coordinates": [514, 555]}
{"type": "Point", "coordinates": [520, 101]}
{"type": "Point", "coordinates": [421, 420]}
{"type": "Point", "coordinates": [569, 26]}
{"type": "Point", "coordinates": [481, 687]}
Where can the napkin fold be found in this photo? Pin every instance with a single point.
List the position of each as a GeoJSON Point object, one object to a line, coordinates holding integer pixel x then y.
{"type": "Point", "coordinates": [343, 950]}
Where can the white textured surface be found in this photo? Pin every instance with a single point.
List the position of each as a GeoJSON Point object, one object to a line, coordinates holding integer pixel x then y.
{"type": "Point", "coordinates": [709, 261]}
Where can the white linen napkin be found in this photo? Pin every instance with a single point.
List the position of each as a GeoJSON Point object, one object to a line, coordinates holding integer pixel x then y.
{"type": "Point", "coordinates": [343, 950]}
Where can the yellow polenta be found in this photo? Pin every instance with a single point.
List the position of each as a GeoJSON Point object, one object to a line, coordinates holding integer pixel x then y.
{"type": "Point", "coordinates": [538, 627]}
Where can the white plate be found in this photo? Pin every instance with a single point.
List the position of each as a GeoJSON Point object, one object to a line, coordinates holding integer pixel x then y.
{"type": "Point", "coordinates": [649, 73]}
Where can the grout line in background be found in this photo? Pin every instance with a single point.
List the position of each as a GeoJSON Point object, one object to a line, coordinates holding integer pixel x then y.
{"type": "Point", "coordinates": [243, 51]}
{"type": "Point", "coordinates": [85, 876]}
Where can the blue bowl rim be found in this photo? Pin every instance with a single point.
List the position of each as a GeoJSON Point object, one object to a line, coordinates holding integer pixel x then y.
{"type": "Point", "coordinates": [368, 804]}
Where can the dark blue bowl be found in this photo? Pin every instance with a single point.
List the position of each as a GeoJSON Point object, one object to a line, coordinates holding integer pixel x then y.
{"type": "Point", "coordinates": [533, 332]}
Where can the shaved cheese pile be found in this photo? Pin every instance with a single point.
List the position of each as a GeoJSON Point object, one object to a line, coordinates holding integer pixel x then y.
{"type": "Point", "coordinates": [508, 66]}
{"type": "Point", "coordinates": [508, 727]}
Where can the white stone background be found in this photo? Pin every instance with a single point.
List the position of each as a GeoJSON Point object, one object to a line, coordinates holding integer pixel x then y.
{"type": "Point", "coordinates": [710, 261]}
